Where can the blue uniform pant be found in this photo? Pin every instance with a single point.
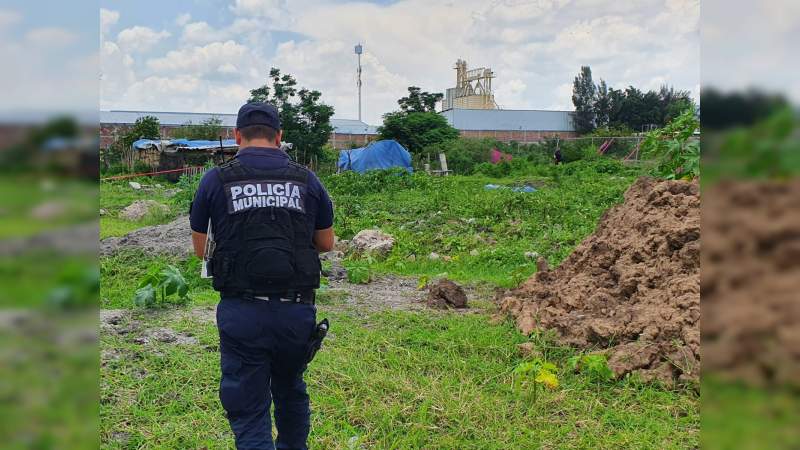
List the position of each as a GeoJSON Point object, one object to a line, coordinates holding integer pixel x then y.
{"type": "Point", "coordinates": [263, 347]}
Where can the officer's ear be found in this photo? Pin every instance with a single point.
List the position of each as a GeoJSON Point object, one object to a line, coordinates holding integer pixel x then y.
{"type": "Point", "coordinates": [238, 136]}
{"type": "Point", "coordinates": [278, 138]}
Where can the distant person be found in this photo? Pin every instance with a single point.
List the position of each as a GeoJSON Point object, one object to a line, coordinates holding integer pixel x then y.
{"type": "Point", "coordinates": [270, 218]}
{"type": "Point", "coordinates": [558, 157]}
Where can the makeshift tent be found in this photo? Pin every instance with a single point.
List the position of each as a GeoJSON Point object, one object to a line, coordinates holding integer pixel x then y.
{"type": "Point", "coordinates": [375, 156]}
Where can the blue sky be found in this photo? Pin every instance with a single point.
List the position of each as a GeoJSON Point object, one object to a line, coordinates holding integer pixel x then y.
{"type": "Point", "coordinates": [205, 55]}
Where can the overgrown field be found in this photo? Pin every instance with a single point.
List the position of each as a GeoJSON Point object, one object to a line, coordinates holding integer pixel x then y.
{"type": "Point", "coordinates": [399, 379]}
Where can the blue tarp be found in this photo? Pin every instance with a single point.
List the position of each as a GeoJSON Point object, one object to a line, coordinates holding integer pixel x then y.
{"type": "Point", "coordinates": [143, 144]}
{"type": "Point", "coordinates": [376, 156]}
{"type": "Point", "coordinates": [526, 188]}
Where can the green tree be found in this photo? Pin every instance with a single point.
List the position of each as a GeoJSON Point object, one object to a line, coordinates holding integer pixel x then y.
{"type": "Point", "coordinates": [209, 129]}
{"type": "Point", "coordinates": [602, 105]}
{"type": "Point", "coordinates": [416, 130]}
{"type": "Point", "coordinates": [305, 120]}
{"type": "Point", "coordinates": [419, 101]}
{"type": "Point", "coordinates": [583, 97]}
{"type": "Point", "coordinates": [146, 127]}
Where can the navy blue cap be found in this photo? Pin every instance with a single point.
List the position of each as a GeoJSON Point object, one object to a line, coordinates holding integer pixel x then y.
{"type": "Point", "coordinates": [258, 113]}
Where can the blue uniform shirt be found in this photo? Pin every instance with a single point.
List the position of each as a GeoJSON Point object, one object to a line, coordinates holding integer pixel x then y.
{"type": "Point", "coordinates": [209, 200]}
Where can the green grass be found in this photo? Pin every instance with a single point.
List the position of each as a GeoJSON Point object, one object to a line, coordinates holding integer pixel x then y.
{"type": "Point", "coordinates": [432, 381]}
{"type": "Point", "coordinates": [120, 275]}
{"type": "Point", "coordinates": [30, 279]}
{"type": "Point", "coordinates": [21, 194]}
{"type": "Point", "coordinates": [735, 416]}
{"type": "Point", "coordinates": [454, 216]}
{"type": "Point", "coordinates": [116, 195]}
{"type": "Point", "coordinates": [404, 380]}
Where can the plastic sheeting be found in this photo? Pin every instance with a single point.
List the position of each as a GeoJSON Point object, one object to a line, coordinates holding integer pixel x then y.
{"type": "Point", "coordinates": [526, 188]}
{"type": "Point", "coordinates": [144, 144]}
{"type": "Point", "coordinates": [378, 155]}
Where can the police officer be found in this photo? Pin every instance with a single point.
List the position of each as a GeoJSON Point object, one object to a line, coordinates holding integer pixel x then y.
{"type": "Point", "coordinates": [270, 218]}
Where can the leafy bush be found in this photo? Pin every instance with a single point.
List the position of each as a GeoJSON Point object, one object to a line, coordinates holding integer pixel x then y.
{"type": "Point", "coordinates": [359, 274]}
{"type": "Point", "coordinates": [463, 154]}
{"type": "Point", "coordinates": [416, 130]}
{"type": "Point", "coordinates": [676, 154]}
{"type": "Point", "coordinates": [162, 286]}
{"type": "Point", "coordinates": [209, 130]}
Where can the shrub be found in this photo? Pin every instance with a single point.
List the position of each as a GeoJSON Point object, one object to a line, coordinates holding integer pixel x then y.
{"type": "Point", "coordinates": [677, 155]}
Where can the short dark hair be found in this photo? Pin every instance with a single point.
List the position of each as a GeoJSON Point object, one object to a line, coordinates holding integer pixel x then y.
{"type": "Point", "coordinates": [258, 132]}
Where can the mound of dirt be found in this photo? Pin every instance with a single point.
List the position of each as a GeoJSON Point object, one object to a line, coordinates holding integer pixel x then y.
{"type": "Point", "coordinates": [174, 238]}
{"type": "Point", "coordinates": [632, 287]}
{"type": "Point", "coordinates": [445, 294]}
{"type": "Point", "coordinates": [751, 280]}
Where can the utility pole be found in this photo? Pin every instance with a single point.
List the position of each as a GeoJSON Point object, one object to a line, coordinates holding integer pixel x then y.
{"type": "Point", "coordinates": [359, 51]}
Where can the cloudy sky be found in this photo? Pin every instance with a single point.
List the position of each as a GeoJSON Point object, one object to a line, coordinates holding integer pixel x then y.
{"type": "Point", "coordinates": [205, 55]}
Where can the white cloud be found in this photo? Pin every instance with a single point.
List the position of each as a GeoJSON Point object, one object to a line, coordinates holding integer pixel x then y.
{"type": "Point", "coordinates": [273, 13]}
{"type": "Point", "coordinates": [201, 60]}
{"type": "Point", "coordinates": [140, 39]}
{"type": "Point", "coordinates": [202, 33]}
{"type": "Point", "coordinates": [9, 17]}
{"type": "Point", "coordinates": [50, 37]}
{"type": "Point", "coordinates": [534, 47]}
{"type": "Point", "coordinates": [108, 18]}
{"type": "Point", "coordinates": [183, 19]}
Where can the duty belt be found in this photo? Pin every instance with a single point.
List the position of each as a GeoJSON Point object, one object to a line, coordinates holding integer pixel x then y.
{"type": "Point", "coordinates": [306, 297]}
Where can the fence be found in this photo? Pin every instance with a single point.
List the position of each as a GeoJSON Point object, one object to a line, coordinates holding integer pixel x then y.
{"type": "Point", "coordinates": [190, 171]}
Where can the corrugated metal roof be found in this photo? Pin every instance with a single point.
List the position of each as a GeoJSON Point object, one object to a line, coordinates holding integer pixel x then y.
{"type": "Point", "coordinates": [509, 120]}
{"type": "Point", "coordinates": [342, 126]}
{"type": "Point", "coordinates": [352, 126]}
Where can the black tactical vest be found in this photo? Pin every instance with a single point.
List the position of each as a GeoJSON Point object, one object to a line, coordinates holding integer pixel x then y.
{"type": "Point", "coordinates": [271, 249]}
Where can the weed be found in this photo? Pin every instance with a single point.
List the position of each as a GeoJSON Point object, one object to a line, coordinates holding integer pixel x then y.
{"type": "Point", "coordinates": [161, 286]}
{"type": "Point", "coordinates": [595, 366]}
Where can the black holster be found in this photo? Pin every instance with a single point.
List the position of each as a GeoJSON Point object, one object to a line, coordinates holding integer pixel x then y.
{"type": "Point", "coordinates": [315, 343]}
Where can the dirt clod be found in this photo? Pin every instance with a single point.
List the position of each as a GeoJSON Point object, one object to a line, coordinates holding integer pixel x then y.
{"type": "Point", "coordinates": [632, 287]}
{"type": "Point", "coordinates": [444, 294]}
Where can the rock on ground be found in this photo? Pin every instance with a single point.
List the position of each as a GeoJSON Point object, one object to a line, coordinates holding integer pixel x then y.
{"type": "Point", "coordinates": [141, 208]}
{"type": "Point", "coordinates": [374, 242]}
{"type": "Point", "coordinates": [173, 238]}
{"type": "Point", "coordinates": [336, 273]}
{"type": "Point", "coordinates": [135, 185]}
{"type": "Point", "coordinates": [633, 286]}
{"type": "Point", "coordinates": [443, 294]}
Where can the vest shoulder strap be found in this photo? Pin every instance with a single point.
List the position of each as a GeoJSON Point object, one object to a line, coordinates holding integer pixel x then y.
{"type": "Point", "coordinates": [232, 170]}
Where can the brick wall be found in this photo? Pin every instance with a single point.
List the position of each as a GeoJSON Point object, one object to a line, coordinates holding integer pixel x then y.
{"type": "Point", "coordinates": [521, 136]}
